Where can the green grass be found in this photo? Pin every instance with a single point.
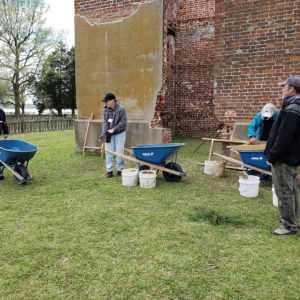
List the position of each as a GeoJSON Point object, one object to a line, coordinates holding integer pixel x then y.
{"type": "Point", "coordinates": [73, 234]}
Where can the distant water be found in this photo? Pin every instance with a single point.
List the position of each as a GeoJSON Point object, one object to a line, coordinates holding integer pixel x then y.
{"type": "Point", "coordinates": [31, 110]}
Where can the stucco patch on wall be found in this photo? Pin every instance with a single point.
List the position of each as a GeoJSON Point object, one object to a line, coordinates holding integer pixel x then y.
{"type": "Point", "coordinates": [123, 57]}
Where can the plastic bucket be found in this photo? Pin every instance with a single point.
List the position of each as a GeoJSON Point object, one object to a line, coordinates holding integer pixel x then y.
{"type": "Point", "coordinates": [130, 177]}
{"type": "Point", "coordinates": [209, 167]}
{"type": "Point", "coordinates": [249, 187]}
{"type": "Point", "coordinates": [147, 179]}
{"type": "Point", "coordinates": [275, 199]}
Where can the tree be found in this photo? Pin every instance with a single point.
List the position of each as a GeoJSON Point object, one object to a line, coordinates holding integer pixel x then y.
{"type": "Point", "coordinates": [4, 93]}
{"type": "Point", "coordinates": [55, 88]}
{"type": "Point", "coordinates": [24, 39]}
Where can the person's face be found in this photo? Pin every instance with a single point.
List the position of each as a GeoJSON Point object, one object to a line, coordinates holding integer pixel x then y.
{"type": "Point", "coordinates": [287, 91]}
{"type": "Point", "coordinates": [110, 103]}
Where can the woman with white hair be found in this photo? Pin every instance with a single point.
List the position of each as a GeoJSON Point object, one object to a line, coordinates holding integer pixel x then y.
{"type": "Point", "coordinates": [261, 125]}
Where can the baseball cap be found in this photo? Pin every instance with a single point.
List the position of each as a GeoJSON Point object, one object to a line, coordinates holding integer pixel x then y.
{"type": "Point", "coordinates": [268, 111]}
{"type": "Point", "coordinates": [109, 96]}
{"type": "Point", "coordinates": [292, 81]}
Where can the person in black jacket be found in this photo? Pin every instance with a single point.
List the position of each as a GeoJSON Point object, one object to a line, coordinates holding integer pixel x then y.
{"type": "Point", "coordinates": [3, 124]}
{"type": "Point", "coordinates": [283, 153]}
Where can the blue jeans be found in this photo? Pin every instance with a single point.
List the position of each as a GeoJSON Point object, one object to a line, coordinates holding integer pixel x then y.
{"type": "Point", "coordinates": [116, 145]}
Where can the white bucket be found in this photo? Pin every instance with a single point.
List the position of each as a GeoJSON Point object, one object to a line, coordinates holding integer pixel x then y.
{"type": "Point", "coordinates": [275, 199]}
{"type": "Point", "coordinates": [147, 179]}
{"type": "Point", "coordinates": [209, 167]}
{"type": "Point", "coordinates": [249, 187]}
{"type": "Point", "coordinates": [130, 177]}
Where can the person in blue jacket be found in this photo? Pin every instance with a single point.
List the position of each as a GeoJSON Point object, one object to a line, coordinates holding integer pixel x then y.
{"type": "Point", "coordinates": [262, 123]}
{"type": "Point", "coordinates": [3, 124]}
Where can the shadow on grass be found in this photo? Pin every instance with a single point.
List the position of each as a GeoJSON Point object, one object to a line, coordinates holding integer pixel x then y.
{"type": "Point", "coordinates": [214, 217]}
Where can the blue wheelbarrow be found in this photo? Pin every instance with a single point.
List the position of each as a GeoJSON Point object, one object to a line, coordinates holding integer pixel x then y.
{"type": "Point", "coordinates": [258, 160]}
{"type": "Point", "coordinates": [15, 156]}
{"type": "Point", "coordinates": [155, 156]}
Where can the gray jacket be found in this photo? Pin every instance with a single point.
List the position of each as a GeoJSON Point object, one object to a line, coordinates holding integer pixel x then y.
{"type": "Point", "coordinates": [118, 116]}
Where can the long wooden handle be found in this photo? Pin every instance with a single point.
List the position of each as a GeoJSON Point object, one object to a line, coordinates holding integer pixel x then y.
{"type": "Point", "coordinates": [11, 170]}
{"type": "Point", "coordinates": [240, 163]}
{"type": "Point", "coordinates": [146, 163]}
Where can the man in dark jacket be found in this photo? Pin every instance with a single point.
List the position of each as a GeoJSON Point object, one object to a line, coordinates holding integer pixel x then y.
{"type": "Point", "coordinates": [114, 130]}
{"type": "Point", "coordinates": [3, 124]}
{"type": "Point", "coordinates": [283, 153]}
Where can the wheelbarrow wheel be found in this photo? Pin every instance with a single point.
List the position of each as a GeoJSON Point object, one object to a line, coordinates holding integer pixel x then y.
{"type": "Point", "coordinates": [144, 167]}
{"type": "Point", "coordinates": [172, 177]}
{"type": "Point", "coordinates": [22, 170]}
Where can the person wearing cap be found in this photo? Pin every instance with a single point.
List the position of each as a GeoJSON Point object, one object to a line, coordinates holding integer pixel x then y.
{"type": "Point", "coordinates": [3, 124]}
{"type": "Point", "coordinates": [283, 154]}
{"type": "Point", "coordinates": [114, 124]}
{"type": "Point", "coordinates": [262, 123]}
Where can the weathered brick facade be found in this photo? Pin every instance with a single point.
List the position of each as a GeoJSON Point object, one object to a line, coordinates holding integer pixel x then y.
{"type": "Point", "coordinates": [221, 58]}
{"type": "Point", "coordinates": [257, 45]}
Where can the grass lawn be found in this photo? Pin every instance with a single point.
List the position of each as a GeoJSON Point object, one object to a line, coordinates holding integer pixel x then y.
{"type": "Point", "coordinates": [71, 233]}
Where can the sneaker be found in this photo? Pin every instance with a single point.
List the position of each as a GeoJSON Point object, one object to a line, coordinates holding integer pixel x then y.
{"type": "Point", "coordinates": [1, 177]}
{"type": "Point", "coordinates": [109, 174]}
{"type": "Point", "coordinates": [119, 173]}
{"type": "Point", "coordinates": [282, 230]}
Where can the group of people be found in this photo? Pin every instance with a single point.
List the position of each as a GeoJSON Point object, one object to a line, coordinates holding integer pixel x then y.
{"type": "Point", "coordinates": [281, 130]}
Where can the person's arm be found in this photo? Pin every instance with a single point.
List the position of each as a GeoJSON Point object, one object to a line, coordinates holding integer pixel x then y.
{"type": "Point", "coordinates": [253, 126]}
{"type": "Point", "coordinates": [104, 123]}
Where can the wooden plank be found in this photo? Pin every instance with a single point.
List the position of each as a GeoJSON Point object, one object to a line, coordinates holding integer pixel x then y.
{"type": "Point", "coordinates": [90, 147]}
{"type": "Point", "coordinates": [240, 163]}
{"type": "Point", "coordinates": [211, 149]}
{"type": "Point", "coordinates": [86, 134]}
{"type": "Point", "coordinates": [11, 170]}
{"type": "Point", "coordinates": [226, 167]}
{"type": "Point", "coordinates": [147, 164]}
{"type": "Point", "coordinates": [248, 147]}
{"type": "Point", "coordinates": [226, 141]}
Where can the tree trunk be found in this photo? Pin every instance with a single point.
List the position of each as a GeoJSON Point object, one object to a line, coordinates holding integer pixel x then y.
{"type": "Point", "coordinates": [59, 112]}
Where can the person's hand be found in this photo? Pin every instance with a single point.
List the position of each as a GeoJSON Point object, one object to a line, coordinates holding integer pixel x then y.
{"type": "Point", "coordinates": [111, 131]}
{"type": "Point", "coordinates": [6, 136]}
{"type": "Point", "coordinates": [252, 140]}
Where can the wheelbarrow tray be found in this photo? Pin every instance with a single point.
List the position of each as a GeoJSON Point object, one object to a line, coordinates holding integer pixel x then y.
{"type": "Point", "coordinates": [256, 159]}
{"type": "Point", "coordinates": [155, 153]}
{"type": "Point", "coordinates": [14, 151]}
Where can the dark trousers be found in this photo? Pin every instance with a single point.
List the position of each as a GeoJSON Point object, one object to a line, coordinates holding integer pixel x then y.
{"type": "Point", "coordinates": [286, 188]}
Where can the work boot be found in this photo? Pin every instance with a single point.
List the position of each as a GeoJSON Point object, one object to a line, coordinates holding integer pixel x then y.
{"type": "Point", "coordinates": [109, 174]}
{"type": "Point", "coordinates": [283, 230]}
{"type": "Point", "coordinates": [119, 173]}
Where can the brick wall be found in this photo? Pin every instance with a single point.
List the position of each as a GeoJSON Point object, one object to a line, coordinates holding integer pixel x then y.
{"type": "Point", "coordinates": [186, 101]}
{"type": "Point", "coordinates": [106, 10]}
{"type": "Point", "coordinates": [257, 45]}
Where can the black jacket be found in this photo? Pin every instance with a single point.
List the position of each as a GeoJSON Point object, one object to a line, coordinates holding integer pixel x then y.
{"type": "Point", "coordinates": [284, 139]}
{"type": "Point", "coordinates": [3, 124]}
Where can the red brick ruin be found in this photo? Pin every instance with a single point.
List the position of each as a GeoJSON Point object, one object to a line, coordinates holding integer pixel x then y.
{"type": "Point", "coordinates": [221, 58]}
